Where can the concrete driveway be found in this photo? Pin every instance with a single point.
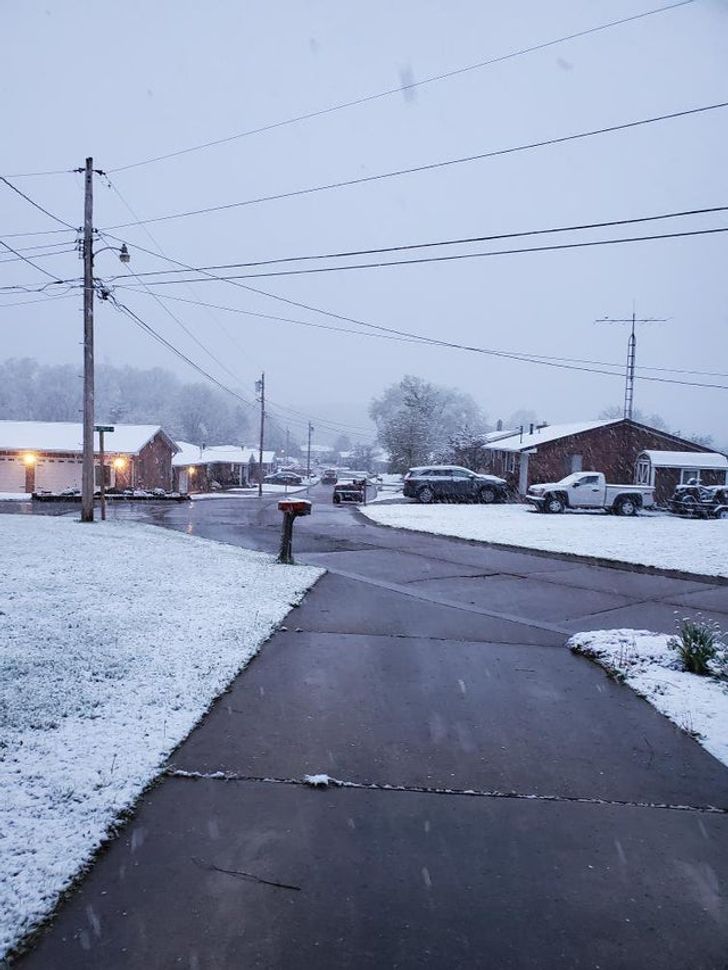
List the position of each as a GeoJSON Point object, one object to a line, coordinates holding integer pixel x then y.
{"type": "Point", "coordinates": [506, 804]}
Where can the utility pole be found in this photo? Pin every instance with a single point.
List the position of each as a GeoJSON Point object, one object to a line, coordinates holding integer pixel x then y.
{"type": "Point", "coordinates": [631, 355]}
{"type": "Point", "coordinates": [288, 444]}
{"type": "Point", "coordinates": [308, 453]}
{"type": "Point", "coordinates": [260, 388]}
{"type": "Point", "coordinates": [87, 470]}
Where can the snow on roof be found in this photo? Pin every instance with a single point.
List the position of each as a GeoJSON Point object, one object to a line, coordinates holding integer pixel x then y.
{"type": "Point", "coordinates": [542, 436]}
{"type": "Point", "coordinates": [68, 436]}
{"type": "Point", "coordinates": [686, 459]}
{"type": "Point", "coordinates": [190, 454]}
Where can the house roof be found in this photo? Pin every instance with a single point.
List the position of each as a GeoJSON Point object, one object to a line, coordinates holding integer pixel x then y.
{"type": "Point", "coordinates": [703, 460]}
{"type": "Point", "coordinates": [67, 436]}
{"type": "Point", "coordinates": [190, 454]}
{"type": "Point", "coordinates": [541, 436]}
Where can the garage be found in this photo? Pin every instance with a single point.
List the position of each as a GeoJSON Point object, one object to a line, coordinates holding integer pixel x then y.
{"type": "Point", "coordinates": [12, 475]}
{"type": "Point", "coordinates": [57, 474]}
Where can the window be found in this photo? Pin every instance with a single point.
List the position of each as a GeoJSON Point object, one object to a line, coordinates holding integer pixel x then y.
{"type": "Point", "coordinates": [688, 474]}
{"type": "Point", "coordinates": [589, 480]}
{"type": "Point", "coordinates": [459, 473]}
{"type": "Point", "coordinates": [576, 463]}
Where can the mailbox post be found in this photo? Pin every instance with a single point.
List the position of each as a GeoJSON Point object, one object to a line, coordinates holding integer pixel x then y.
{"type": "Point", "coordinates": [102, 429]}
{"type": "Point", "coordinates": [291, 509]}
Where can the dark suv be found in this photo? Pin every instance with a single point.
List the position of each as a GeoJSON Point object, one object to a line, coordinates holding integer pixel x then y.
{"type": "Point", "coordinates": [452, 483]}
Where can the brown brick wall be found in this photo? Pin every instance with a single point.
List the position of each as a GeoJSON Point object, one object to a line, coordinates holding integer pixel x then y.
{"type": "Point", "coordinates": [153, 465]}
{"type": "Point", "coordinates": [612, 449]}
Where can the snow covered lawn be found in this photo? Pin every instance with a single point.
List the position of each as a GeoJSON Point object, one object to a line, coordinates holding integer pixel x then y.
{"type": "Point", "coordinates": [248, 492]}
{"type": "Point", "coordinates": [698, 705]}
{"type": "Point", "coordinates": [114, 640]}
{"type": "Point", "coordinates": [652, 539]}
{"type": "Point", "coordinates": [15, 496]}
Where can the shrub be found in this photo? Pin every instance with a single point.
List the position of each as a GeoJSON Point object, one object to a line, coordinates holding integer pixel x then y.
{"type": "Point", "coordinates": [697, 644]}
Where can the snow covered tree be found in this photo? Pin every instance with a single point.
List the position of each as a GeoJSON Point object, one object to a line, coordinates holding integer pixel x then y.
{"type": "Point", "coordinates": [415, 420]}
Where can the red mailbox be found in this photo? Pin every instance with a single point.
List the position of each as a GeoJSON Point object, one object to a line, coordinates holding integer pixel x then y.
{"type": "Point", "coordinates": [291, 509]}
{"type": "Point", "coordinates": [295, 506]}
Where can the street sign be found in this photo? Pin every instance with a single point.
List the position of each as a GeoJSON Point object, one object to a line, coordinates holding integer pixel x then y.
{"type": "Point", "coordinates": [103, 427]}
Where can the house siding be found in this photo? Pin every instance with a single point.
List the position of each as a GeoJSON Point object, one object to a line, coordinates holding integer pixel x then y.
{"type": "Point", "coordinates": [152, 467]}
{"type": "Point", "coordinates": [612, 449]}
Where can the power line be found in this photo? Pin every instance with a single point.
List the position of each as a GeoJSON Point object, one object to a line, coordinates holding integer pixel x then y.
{"type": "Point", "coordinates": [30, 262]}
{"type": "Point", "coordinates": [19, 257]}
{"type": "Point", "coordinates": [402, 87]}
{"type": "Point", "coordinates": [36, 205]}
{"type": "Point", "coordinates": [467, 240]}
{"type": "Point", "coordinates": [513, 355]}
{"type": "Point", "coordinates": [430, 166]}
{"type": "Point", "coordinates": [170, 346]}
{"type": "Point", "coordinates": [423, 339]}
{"type": "Point", "coordinates": [373, 326]}
{"type": "Point", "coordinates": [48, 299]}
{"type": "Point", "coordinates": [30, 175]}
{"type": "Point", "coordinates": [451, 258]}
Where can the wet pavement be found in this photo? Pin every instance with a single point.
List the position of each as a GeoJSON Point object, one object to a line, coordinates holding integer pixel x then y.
{"type": "Point", "coordinates": [508, 805]}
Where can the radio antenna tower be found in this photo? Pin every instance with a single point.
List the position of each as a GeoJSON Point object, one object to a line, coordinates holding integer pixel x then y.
{"type": "Point", "coordinates": [631, 354]}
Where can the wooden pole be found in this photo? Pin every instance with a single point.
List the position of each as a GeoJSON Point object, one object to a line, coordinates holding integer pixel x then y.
{"type": "Point", "coordinates": [262, 434]}
{"type": "Point", "coordinates": [87, 471]}
{"type": "Point", "coordinates": [103, 476]}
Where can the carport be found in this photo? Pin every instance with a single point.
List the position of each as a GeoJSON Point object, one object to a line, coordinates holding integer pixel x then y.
{"type": "Point", "coordinates": [665, 470]}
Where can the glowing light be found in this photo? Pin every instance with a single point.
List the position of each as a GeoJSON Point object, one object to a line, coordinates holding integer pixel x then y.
{"type": "Point", "coordinates": [30, 458]}
{"type": "Point", "coordinates": [192, 470]}
{"type": "Point", "coordinates": [120, 464]}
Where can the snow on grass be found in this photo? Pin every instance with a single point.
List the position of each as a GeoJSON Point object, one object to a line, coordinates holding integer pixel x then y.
{"type": "Point", "coordinates": [698, 705]}
{"type": "Point", "coordinates": [666, 541]}
{"type": "Point", "coordinates": [15, 496]}
{"type": "Point", "coordinates": [114, 640]}
{"type": "Point", "coordinates": [251, 492]}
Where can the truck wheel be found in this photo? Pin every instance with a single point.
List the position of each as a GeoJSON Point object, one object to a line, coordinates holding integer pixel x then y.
{"type": "Point", "coordinates": [426, 495]}
{"type": "Point", "coordinates": [337, 500]}
{"type": "Point", "coordinates": [553, 504]}
{"type": "Point", "coordinates": [721, 514]}
{"type": "Point", "coordinates": [487, 495]}
{"type": "Point", "coordinates": [625, 506]}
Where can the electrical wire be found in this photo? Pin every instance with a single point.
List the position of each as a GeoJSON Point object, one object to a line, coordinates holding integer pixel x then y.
{"type": "Point", "coordinates": [524, 358]}
{"type": "Point", "coordinates": [30, 175]}
{"type": "Point", "coordinates": [396, 173]}
{"type": "Point", "coordinates": [450, 258]}
{"type": "Point", "coordinates": [18, 258]}
{"type": "Point", "coordinates": [424, 339]}
{"type": "Point", "coordinates": [30, 262]}
{"type": "Point", "coordinates": [142, 324]}
{"type": "Point", "coordinates": [402, 87]}
{"type": "Point", "coordinates": [36, 205]}
{"type": "Point", "coordinates": [467, 240]}
{"type": "Point", "coordinates": [170, 346]}
{"type": "Point", "coordinates": [48, 299]}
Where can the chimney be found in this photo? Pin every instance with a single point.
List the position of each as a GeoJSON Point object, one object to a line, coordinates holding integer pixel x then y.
{"type": "Point", "coordinates": [530, 430]}
{"type": "Point", "coordinates": [521, 434]}
{"type": "Point", "coordinates": [499, 424]}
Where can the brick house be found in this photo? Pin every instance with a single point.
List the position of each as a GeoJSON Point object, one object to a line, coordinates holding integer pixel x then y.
{"type": "Point", "coordinates": [46, 456]}
{"type": "Point", "coordinates": [224, 466]}
{"type": "Point", "coordinates": [549, 453]}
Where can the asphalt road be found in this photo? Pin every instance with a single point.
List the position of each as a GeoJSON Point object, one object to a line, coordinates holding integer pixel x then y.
{"type": "Point", "coordinates": [507, 804]}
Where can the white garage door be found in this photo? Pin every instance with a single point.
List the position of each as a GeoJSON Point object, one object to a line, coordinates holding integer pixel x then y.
{"type": "Point", "coordinates": [12, 475]}
{"type": "Point", "coordinates": [57, 474]}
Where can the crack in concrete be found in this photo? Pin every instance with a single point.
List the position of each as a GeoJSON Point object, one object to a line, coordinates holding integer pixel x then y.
{"type": "Point", "coordinates": [326, 781]}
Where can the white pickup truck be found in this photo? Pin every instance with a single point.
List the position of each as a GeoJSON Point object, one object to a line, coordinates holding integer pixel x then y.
{"type": "Point", "coordinates": [589, 490]}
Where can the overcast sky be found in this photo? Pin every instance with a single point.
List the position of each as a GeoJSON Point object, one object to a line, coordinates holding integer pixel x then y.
{"type": "Point", "coordinates": [126, 81]}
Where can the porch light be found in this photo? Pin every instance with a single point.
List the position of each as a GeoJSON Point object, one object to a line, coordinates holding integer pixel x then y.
{"type": "Point", "coordinates": [119, 464]}
{"type": "Point", "coordinates": [30, 458]}
{"type": "Point", "coordinates": [192, 470]}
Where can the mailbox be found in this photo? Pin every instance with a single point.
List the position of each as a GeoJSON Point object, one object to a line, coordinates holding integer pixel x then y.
{"type": "Point", "coordinates": [295, 507]}
{"type": "Point", "coordinates": [291, 509]}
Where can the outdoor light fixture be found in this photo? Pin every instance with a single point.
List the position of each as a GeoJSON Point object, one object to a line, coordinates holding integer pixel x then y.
{"type": "Point", "coordinates": [119, 464]}
{"type": "Point", "coordinates": [124, 254]}
{"type": "Point", "coordinates": [192, 470]}
{"type": "Point", "coordinates": [29, 459]}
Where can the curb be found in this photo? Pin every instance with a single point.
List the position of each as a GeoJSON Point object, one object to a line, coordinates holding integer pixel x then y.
{"type": "Point", "coordinates": [629, 567]}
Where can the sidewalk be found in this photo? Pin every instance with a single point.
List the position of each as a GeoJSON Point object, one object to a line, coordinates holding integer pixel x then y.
{"type": "Point", "coordinates": [510, 807]}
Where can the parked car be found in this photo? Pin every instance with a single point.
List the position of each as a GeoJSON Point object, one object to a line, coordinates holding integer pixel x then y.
{"type": "Point", "coordinates": [700, 501]}
{"type": "Point", "coordinates": [283, 478]}
{"type": "Point", "coordinates": [350, 490]}
{"type": "Point", "coordinates": [329, 477]}
{"type": "Point", "coordinates": [589, 490]}
{"type": "Point", "coordinates": [452, 483]}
